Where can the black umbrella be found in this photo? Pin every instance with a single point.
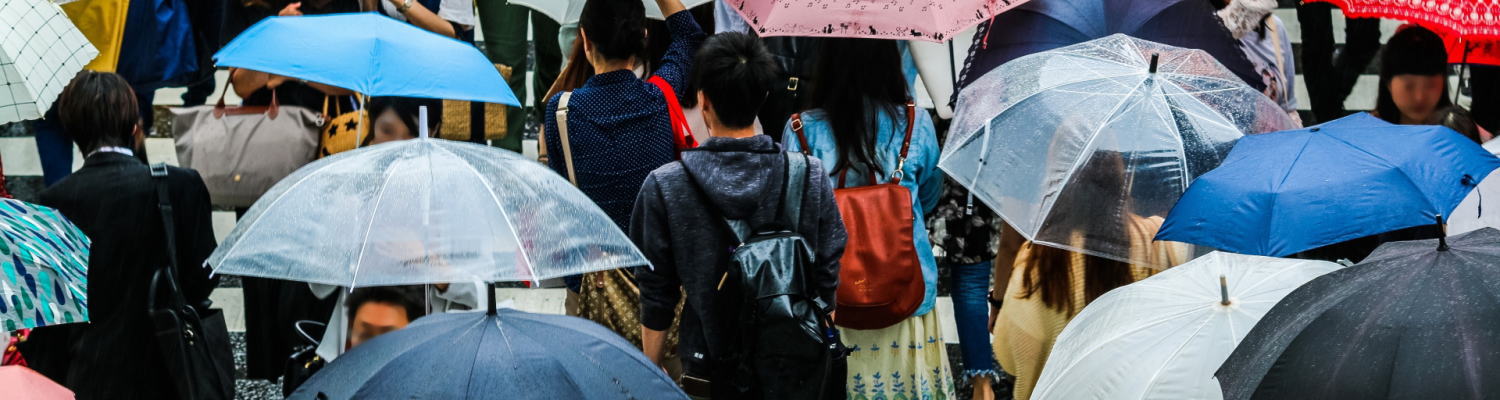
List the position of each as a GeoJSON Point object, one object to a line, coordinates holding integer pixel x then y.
{"type": "Point", "coordinates": [1041, 25]}
{"type": "Point", "coordinates": [1416, 320]}
{"type": "Point", "coordinates": [498, 355]}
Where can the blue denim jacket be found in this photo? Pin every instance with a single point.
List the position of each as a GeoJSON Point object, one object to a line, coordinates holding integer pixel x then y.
{"type": "Point", "coordinates": [920, 175]}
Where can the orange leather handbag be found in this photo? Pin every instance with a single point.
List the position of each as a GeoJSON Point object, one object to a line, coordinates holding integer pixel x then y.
{"type": "Point", "coordinates": [880, 275]}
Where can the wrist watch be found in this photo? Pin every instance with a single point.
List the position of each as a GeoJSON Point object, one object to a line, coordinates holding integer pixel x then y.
{"type": "Point", "coordinates": [994, 302]}
{"type": "Point", "coordinates": [405, 5]}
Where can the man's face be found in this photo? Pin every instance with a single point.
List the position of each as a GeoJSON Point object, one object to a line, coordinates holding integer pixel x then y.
{"type": "Point", "coordinates": [374, 319]}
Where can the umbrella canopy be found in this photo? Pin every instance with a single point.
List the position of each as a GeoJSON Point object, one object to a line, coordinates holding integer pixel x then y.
{"type": "Point", "coordinates": [40, 52]}
{"type": "Point", "coordinates": [569, 11]}
{"type": "Point", "coordinates": [1162, 337]}
{"type": "Point", "coordinates": [23, 383]}
{"type": "Point", "coordinates": [394, 58]}
{"type": "Point", "coordinates": [44, 261]}
{"type": "Point", "coordinates": [1042, 25]}
{"type": "Point", "coordinates": [1412, 322]}
{"type": "Point", "coordinates": [1285, 192]}
{"type": "Point", "coordinates": [1474, 19]}
{"type": "Point", "coordinates": [423, 211]}
{"type": "Point", "coordinates": [504, 355]}
{"type": "Point", "coordinates": [1471, 215]}
{"type": "Point", "coordinates": [930, 20]}
{"type": "Point", "coordinates": [1062, 141]}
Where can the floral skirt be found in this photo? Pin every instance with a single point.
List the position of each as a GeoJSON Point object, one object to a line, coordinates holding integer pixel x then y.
{"type": "Point", "coordinates": [905, 361]}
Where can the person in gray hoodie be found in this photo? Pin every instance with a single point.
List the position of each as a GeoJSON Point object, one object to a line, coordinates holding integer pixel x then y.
{"type": "Point", "coordinates": [676, 225]}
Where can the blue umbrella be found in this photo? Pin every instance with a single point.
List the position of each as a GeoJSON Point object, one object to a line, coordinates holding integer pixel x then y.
{"type": "Point", "coordinates": [1285, 192]}
{"type": "Point", "coordinates": [370, 54]}
{"type": "Point", "coordinates": [1042, 25]}
{"type": "Point", "coordinates": [504, 354]}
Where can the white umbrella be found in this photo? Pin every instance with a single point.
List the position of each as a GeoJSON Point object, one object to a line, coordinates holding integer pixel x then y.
{"type": "Point", "coordinates": [1163, 337]}
{"type": "Point", "coordinates": [40, 52]}
{"type": "Point", "coordinates": [1480, 209]}
{"type": "Point", "coordinates": [569, 11]}
{"type": "Point", "coordinates": [423, 211]}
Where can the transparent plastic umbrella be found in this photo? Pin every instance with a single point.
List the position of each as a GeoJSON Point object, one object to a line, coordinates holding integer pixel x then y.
{"type": "Point", "coordinates": [1163, 337]}
{"type": "Point", "coordinates": [1075, 146]}
{"type": "Point", "coordinates": [423, 211]}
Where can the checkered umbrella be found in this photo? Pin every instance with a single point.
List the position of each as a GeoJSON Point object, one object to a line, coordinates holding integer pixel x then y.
{"type": "Point", "coordinates": [40, 51]}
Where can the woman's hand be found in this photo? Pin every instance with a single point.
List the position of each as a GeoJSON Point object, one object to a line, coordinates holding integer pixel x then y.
{"type": "Point", "coordinates": [291, 10]}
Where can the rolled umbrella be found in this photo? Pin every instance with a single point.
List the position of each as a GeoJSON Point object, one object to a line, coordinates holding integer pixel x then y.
{"type": "Point", "coordinates": [44, 263]}
{"type": "Point", "coordinates": [504, 354]}
{"type": "Point", "coordinates": [1042, 25]}
{"type": "Point", "coordinates": [19, 382]}
{"type": "Point", "coordinates": [1285, 192]}
{"type": "Point", "coordinates": [423, 211]}
{"type": "Point", "coordinates": [1162, 337]}
{"type": "Point", "coordinates": [1087, 146]}
{"type": "Point", "coordinates": [370, 54]}
{"type": "Point", "coordinates": [1416, 320]}
{"type": "Point", "coordinates": [40, 52]}
{"type": "Point", "coordinates": [929, 20]}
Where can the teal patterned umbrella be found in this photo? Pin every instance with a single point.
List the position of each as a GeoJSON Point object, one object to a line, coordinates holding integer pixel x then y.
{"type": "Point", "coordinates": [45, 260]}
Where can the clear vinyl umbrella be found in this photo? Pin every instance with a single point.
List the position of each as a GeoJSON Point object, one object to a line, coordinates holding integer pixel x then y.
{"type": "Point", "coordinates": [1087, 146]}
{"type": "Point", "coordinates": [423, 211]}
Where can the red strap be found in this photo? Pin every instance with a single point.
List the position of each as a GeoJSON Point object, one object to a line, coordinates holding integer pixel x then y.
{"type": "Point", "coordinates": [911, 121]}
{"type": "Point", "coordinates": [801, 138]}
{"type": "Point", "coordinates": [682, 133]}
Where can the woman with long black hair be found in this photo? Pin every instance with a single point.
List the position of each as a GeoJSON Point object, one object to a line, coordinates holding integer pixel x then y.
{"type": "Point", "coordinates": [861, 114]}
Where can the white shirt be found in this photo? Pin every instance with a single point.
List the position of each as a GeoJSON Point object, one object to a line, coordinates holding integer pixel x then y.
{"type": "Point", "coordinates": [456, 11]}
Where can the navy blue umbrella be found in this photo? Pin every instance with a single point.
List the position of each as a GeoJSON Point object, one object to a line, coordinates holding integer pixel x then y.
{"type": "Point", "coordinates": [1284, 192]}
{"type": "Point", "coordinates": [501, 355]}
{"type": "Point", "coordinates": [1041, 25]}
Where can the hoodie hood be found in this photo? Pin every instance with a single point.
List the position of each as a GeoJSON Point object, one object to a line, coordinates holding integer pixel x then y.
{"type": "Point", "coordinates": [737, 174]}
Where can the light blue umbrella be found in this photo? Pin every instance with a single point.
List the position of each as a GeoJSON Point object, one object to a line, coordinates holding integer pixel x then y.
{"type": "Point", "coordinates": [370, 54]}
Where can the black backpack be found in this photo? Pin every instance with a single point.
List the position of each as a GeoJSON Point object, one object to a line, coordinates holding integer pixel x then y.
{"type": "Point", "coordinates": [787, 345]}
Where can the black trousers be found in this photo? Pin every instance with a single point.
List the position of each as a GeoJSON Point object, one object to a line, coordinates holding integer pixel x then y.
{"type": "Point", "coordinates": [1329, 77]}
{"type": "Point", "coordinates": [1484, 83]}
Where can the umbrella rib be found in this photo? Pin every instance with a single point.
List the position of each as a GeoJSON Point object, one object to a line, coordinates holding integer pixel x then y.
{"type": "Point", "coordinates": [490, 189]}
{"type": "Point", "coordinates": [1151, 382]}
{"type": "Point", "coordinates": [365, 242]}
{"type": "Point", "coordinates": [256, 223]}
{"type": "Point", "coordinates": [1142, 327]}
{"type": "Point", "coordinates": [1113, 114]}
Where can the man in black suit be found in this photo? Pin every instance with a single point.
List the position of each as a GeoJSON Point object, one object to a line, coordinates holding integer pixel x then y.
{"type": "Point", "coordinates": [113, 200]}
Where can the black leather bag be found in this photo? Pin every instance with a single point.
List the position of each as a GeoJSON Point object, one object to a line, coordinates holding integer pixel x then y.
{"type": "Point", "coordinates": [304, 361]}
{"type": "Point", "coordinates": [193, 340]}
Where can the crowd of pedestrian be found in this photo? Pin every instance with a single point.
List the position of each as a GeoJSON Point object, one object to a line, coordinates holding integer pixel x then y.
{"type": "Point", "coordinates": [700, 146]}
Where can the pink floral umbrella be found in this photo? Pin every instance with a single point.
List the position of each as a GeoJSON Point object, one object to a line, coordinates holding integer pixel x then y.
{"type": "Point", "coordinates": [930, 20]}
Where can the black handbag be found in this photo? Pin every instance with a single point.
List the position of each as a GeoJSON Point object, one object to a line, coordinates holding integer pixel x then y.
{"type": "Point", "coordinates": [193, 340]}
{"type": "Point", "coordinates": [304, 361]}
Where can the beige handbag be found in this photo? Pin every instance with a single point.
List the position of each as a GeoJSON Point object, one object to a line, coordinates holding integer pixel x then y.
{"type": "Point", "coordinates": [242, 151]}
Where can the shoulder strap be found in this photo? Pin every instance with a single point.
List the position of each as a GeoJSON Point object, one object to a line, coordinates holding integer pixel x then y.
{"type": "Point", "coordinates": [796, 183]}
{"type": "Point", "coordinates": [562, 134]}
{"type": "Point", "coordinates": [164, 205]}
{"type": "Point", "coordinates": [1273, 29]}
{"type": "Point", "coordinates": [911, 121]}
{"type": "Point", "coordinates": [801, 137]}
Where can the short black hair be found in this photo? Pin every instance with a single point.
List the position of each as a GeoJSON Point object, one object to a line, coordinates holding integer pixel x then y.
{"type": "Point", "coordinates": [402, 296]}
{"type": "Point", "coordinates": [616, 28]}
{"type": "Point", "coordinates": [99, 109]}
{"type": "Point", "coordinates": [735, 72]}
{"type": "Point", "coordinates": [1413, 50]}
{"type": "Point", "coordinates": [407, 109]}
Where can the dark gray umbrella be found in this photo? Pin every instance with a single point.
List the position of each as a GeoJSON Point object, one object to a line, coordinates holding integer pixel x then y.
{"type": "Point", "coordinates": [500, 355]}
{"type": "Point", "coordinates": [1416, 320]}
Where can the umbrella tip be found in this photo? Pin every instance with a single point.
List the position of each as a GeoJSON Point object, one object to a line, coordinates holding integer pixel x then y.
{"type": "Point", "coordinates": [491, 296]}
{"type": "Point", "coordinates": [1442, 234]}
{"type": "Point", "coordinates": [422, 121]}
{"type": "Point", "coordinates": [1223, 290]}
{"type": "Point", "coordinates": [1154, 58]}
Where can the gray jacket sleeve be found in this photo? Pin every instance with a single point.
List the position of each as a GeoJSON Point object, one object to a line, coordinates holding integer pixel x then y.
{"type": "Point", "coordinates": [829, 225]}
{"type": "Point", "coordinates": [660, 284]}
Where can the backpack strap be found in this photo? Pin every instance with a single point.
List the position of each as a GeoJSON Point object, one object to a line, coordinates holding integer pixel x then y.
{"type": "Point", "coordinates": [562, 134]}
{"type": "Point", "coordinates": [790, 212]}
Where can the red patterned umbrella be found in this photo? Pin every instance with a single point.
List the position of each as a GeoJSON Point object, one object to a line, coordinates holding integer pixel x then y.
{"type": "Point", "coordinates": [1472, 19]}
